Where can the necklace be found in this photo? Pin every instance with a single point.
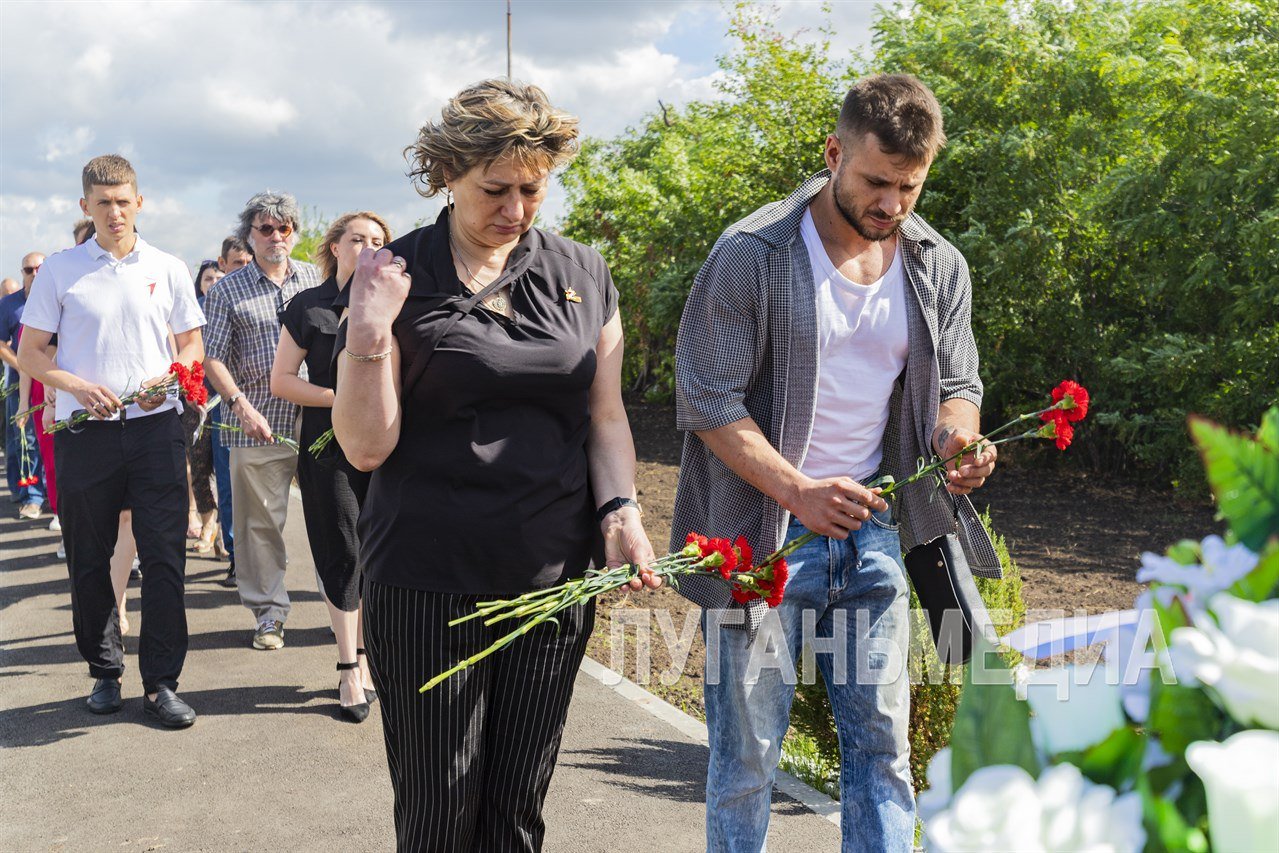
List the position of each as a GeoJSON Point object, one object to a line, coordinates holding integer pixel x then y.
{"type": "Point", "coordinates": [496, 301]}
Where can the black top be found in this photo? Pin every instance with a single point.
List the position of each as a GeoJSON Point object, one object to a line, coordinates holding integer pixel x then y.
{"type": "Point", "coordinates": [312, 319]}
{"type": "Point", "coordinates": [488, 489]}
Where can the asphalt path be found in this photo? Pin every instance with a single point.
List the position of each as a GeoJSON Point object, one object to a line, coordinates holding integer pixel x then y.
{"type": "Point", "coordinates": [267, 765]}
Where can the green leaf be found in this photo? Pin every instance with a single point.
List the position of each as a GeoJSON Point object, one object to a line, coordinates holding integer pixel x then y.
{"type": "Point", "coordinates": [992, 726]}
{"type": "Point", "coordinates": [1181, 715]}
{"type": "Point", "coordinates": [1244, 474]}
{"type": "Point", "coordinates": [1166, 828]}
{"type": "Point", "coordinates": [1116, 761]}
{"type": "Point", "coordinates": [1263, 581]}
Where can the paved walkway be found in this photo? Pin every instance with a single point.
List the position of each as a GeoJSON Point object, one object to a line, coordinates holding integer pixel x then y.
{"type": "Point", "coordinates": [267, 765]}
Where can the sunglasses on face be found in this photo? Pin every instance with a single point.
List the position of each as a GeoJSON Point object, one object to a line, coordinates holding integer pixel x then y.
{"type": "Point", "coordinates": [268, 230]}
{"type": "Point", "coordinates": [30, 270]}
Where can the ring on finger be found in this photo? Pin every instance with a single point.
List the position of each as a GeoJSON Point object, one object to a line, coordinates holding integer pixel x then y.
{"type": "Point", "coordinates": [400, 262]}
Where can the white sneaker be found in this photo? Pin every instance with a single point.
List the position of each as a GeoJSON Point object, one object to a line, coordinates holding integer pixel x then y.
{"type": "Point", "coordinates": [55, 525]}
{"type": "Point", "coordinates": [62, 550]}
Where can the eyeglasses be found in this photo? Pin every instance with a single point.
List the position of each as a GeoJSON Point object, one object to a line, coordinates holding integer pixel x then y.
{"type": "Point", "coordinates": [268, 230]}
{"type": "Point", "coordinates": [32, 270]}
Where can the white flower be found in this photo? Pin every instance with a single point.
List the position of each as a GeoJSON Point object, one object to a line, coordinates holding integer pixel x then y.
{"type": "Point", "coordinates": [1003, 808]}
{"type": "Point", "coordinates": [1223, 565]}
{"type": "Point", "coordinates": [1073, 707]}
{"type": "Point", "coordinates": [937, 797]}
{"type": "Point", "coordinates": [1241, 777]}
{"type": "Point", "coordinates": [1237, 659]}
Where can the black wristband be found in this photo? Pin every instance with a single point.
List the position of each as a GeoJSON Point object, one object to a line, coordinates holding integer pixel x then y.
{"type": "Point", "coordinates": [615, 504]}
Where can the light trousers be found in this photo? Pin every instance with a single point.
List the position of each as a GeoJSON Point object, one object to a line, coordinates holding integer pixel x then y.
{"type": "Point", "coordinates": [260, 479]}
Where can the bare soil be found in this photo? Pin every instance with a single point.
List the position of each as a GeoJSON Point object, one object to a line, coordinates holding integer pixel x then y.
{"type": "Point", "coordinates": [1076, 537]}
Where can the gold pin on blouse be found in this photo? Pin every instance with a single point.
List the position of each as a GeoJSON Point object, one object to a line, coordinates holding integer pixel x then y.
{"type": "Point", "coordinates": [570, 295]}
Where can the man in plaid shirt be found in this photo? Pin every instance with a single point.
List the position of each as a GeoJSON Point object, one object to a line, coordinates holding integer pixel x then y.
{"type": "Point", "coordinates": [826, 340]}
{"type": "Point", "coordinates": [242, 333]}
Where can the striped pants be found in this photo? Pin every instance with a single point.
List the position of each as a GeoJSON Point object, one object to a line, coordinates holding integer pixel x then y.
{"type": "Point", "coordinates": [471, 759]}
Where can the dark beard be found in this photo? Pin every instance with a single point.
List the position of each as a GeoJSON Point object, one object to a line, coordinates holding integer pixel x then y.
{"type": "Point", "coordinates": [851, 218]}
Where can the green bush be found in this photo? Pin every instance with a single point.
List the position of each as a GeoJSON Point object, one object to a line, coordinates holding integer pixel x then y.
{"type": "Point", "coordinates": [934, 690]}
{"type": "Point", "coordinates": [1111, 178]}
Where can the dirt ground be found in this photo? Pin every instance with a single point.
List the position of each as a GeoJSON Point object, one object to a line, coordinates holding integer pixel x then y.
{"type": "Point", "coordinates": [1077, 538]}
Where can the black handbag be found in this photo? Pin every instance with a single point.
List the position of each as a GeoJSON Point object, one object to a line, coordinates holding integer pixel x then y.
{"type": "Point", "coordinates": [944, 584]}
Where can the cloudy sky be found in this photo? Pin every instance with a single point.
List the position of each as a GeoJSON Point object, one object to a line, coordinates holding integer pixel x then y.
{"type": "Point", "coordinates": [214, 100]}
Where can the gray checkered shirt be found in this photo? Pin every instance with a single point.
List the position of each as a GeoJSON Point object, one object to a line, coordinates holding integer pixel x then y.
{"type": "Point", "coordinates": [747, 347]}
{"type": "Point", "coordinates": [242, 331]}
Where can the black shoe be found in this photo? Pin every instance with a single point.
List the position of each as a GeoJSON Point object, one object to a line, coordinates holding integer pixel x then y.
{"type": "Point", "coordinates": [229, 581]}
{"type": "Point", "coordinates": [105, 698]}
{"type": "Point", "coordinates": [169, 709]}
{"type": "Point", "coordinates": [351, 713]}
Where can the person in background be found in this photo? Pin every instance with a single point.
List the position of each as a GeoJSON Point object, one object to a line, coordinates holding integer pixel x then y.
{"type": "Point", "coordinates": [332, 490]}
{"type": "Point", "coordinates": [83, 230]}
{"type": "Point", "coordinates": [30, 497]}
{"type": "Point", "coordinates": [234, 255]}
{"type": "Point", "coordinates": [202, 525]}
{"type": "Point", "coordinates": [9, 285]}
{"type": "Point", "coordinates": [243, 332]}
{"type": "Point", "coordinates": [122, 456]}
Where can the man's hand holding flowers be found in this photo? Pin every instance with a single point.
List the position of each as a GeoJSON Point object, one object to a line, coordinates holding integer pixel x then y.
{"type": "Point", "coordinates": [952, 435]}
{"type": "Point", "coordinates": [835, 506]}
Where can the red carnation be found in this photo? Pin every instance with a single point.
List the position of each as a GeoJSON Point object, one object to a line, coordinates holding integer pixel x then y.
{"type": "Point", "coordinates": [746, 555]}
{"type": "Point", "coordinates": [197, 371]}
{"type": "Point", "coordinates": [1058, 429]}
{"type": "Point", "coordinates": [781, 572]}
{"type": "Point", "coordinates": [743, 596]}
{"type": "Point", "coordinates": [724, 547]}
{"type": "Point", "coordinates": [1078, 410]}
{"type": "Point", "coordinates": [699, 540]}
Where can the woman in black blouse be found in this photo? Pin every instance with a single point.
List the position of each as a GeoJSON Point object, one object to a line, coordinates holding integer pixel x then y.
{"type": "Point", "coordinates": [332, 490]}
{"type": "Point", "coordinates": [480, 381]}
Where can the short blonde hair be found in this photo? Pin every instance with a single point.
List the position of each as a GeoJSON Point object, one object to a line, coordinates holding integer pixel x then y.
{"type": "Point", "coordinates": [485, 122]}
{"type": "Point", "coordinates": [323, 253]}
{"type": "Point", "coordinates": [109, 170]}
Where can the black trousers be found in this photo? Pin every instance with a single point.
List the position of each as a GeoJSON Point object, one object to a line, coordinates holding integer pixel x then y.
{"type": "Point", "coordinates": [102, 468]}
{"type": "Point", "coordinates": [332, 492]}
{"type": "Point", "coordinates": [471, 759]}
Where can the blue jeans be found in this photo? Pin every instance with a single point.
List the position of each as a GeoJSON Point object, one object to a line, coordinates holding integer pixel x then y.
{"type": "Point", "coordinates": [848, 600]}
{"type": "Point", "coordinates": [222, 478]}
{"type": "Point", "coordinates": [13, 455]}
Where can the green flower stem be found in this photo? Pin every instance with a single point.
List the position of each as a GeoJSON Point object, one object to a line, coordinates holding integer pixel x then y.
{"type": "Point", "coordinates": [282, 439]}
{"type": "Point", "coordinates": [802, 540]}
{"type": "Point", "coordinates": [317, 446]}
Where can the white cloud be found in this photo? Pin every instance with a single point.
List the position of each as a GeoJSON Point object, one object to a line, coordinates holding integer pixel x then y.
{"type": "Point", "coordinates": [62, 144]}
{"type": "Point", "coordinates": [213, 101]}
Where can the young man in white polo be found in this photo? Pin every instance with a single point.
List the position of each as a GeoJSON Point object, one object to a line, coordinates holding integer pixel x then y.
{"type": "Point", "coordinates": [113, 302]}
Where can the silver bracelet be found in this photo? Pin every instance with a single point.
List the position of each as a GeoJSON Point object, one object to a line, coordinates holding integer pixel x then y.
{"type": "Point", "coordinates": [377, 356]}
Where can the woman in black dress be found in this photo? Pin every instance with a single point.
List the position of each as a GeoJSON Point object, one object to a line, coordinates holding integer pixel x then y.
{"type": "Point", "coordinates": [480, 380]}
{"type": "Point", "coordinates": [332, 490]}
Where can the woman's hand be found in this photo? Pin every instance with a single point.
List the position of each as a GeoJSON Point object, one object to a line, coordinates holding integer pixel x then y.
{"type": "Point", "coordinates": [626, 542]}
{"type": "Point", "coordinates": [378, 292]}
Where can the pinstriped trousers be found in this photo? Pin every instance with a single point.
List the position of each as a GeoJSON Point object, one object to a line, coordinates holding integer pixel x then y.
{"type": "Point", "coordinates": [472, 758]}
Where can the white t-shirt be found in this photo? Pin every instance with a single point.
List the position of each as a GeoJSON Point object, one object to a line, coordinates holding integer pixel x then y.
{"type": "Point", "coordinates": [113, 317]}
{"type": "Point", "coordinates": [861, 350]}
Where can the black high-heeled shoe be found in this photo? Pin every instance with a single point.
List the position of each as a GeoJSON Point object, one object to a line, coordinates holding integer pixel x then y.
{"type": "Point", "coordinates": [351, 713]}
{"type": "Point", "coordinates": [369, 692]}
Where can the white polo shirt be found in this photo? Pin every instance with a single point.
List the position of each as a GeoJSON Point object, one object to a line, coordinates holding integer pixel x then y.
{"type": "Point", "coordinates": [113, 317]}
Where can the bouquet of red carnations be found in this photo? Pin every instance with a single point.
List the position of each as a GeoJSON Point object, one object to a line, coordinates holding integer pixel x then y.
{"type": "Point", "coordinates": [729, 560]}
{"type": "Point", "coordinates": [188, 382]}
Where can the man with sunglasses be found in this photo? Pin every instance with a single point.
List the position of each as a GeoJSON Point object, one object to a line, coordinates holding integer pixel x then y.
{"type": "Point", "coordinates": [242, 334]}
{"type": "Point", "coordinates": [31, 497]}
